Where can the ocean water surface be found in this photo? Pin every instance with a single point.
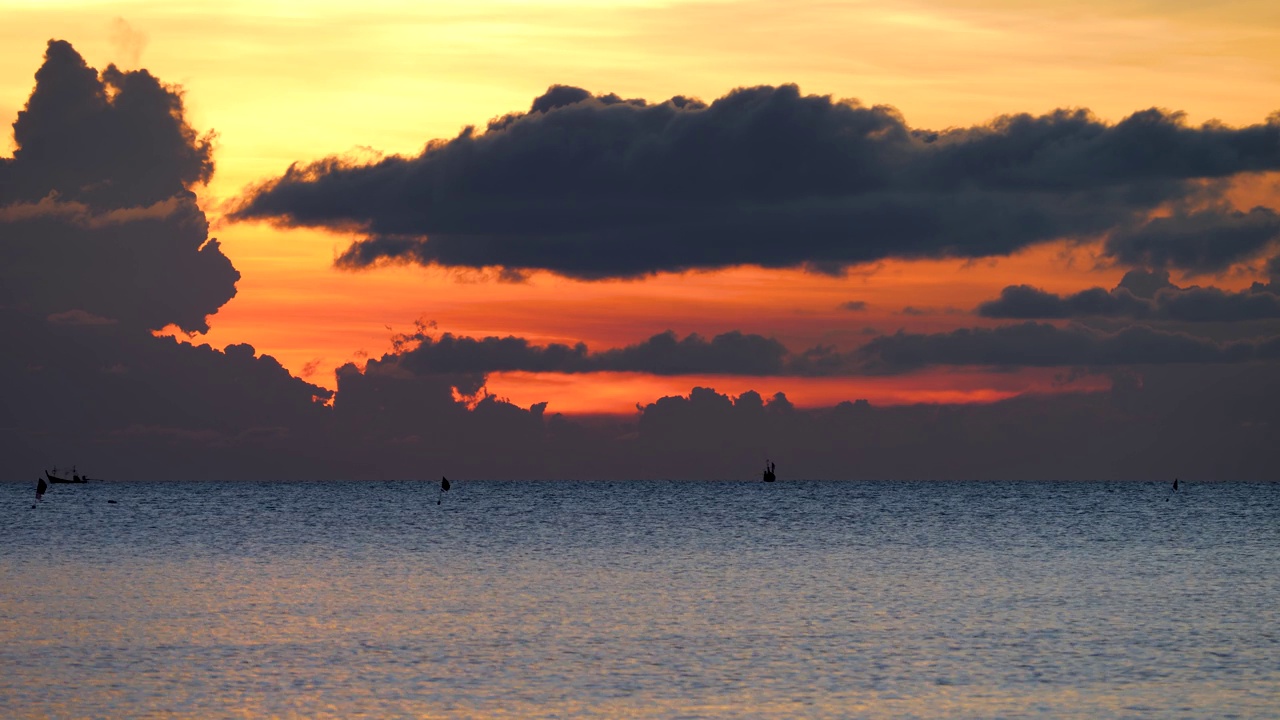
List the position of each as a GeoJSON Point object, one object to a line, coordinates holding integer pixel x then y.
{"type": "Point", "coordinates": [640, 599]}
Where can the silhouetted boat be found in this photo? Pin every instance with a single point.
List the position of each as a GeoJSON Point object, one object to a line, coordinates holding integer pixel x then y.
{"type": "Point", "coordinates": [768, 475]}
{"type": "Point", "coordinates": [73, 480]}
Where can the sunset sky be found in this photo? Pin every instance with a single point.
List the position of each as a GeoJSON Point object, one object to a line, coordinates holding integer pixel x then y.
{"type": "Point", "coordinates": [1004, 210]}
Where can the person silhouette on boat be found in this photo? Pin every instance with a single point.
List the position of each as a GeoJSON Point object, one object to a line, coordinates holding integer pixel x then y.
{"type": "Point", "coordinates": [769, 475]}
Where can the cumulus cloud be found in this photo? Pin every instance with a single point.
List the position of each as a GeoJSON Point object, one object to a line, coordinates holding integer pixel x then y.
{"type": "Point", "coordinates": [1145, 283]}
{"type": "Point", "coordinates": [101, 241]}
{"type": "Point", "coordinates": [597, 187]}
{"type": "Point", "coordinates": [463, 363]}
{"type": "Point", "coordinates": [1211, 422]}
{"type": "Point", "coordinates": [96, 209]}
{"type": "Point", "coordinates": [97, 247]}
{"type": "Point", "coordinates": [1204, 241]}
{"type": "Point", "coordinates": [1155, 299]}
{"type": "Point", "coordinates": [1045, 345]}
{"type": "Point", "coordinates": [78, 388]}
{"type": "Point", "coordinates": [731, 353]}
{"type": "Point", "coordinates": [111, 140]}
{"type": "Point", "coordinates": [147, 273]}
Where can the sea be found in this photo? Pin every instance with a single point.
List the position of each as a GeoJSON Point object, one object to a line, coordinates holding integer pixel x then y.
{"type": "Point", "coordinates": [662, 599]}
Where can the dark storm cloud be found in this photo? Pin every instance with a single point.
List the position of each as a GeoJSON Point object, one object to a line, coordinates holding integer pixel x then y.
{"type": "Point", "coordinates": [96, 213]}
{"type": "Point", "coordinates": [1145, 283]}
{"type": "Point", "coordinates": [101, 240]}
{"type": "Point", "coordinates": [78, 388]}
{"type": "Point", "coordinates": [1026, 302]}
{"type": "Point", "coordinates": [1210, 304]}
{"type": "Point", "coordinates": [1168, 303]}
{"type": "Point", "coordinates": [596, 187]}
{"type": "Point", "coordinates": [465, 362]}
{"type": "Point", "coordinates": [147, 272]}
{"type": "Point", "coordinates": [97, 245]}
{"type": "Point", "coordinates": [454, 354]}
{"type": "Point", "coordinates": [1206, 421]}
{"type": "Point", "coordinates": [1199, 242]}
{"type": "Point", "coordinates": [1273, 269]}
{"type": "Point", "coordinates": [733, 353]}
{"type": "Point", "coordinates": [1211, 422]}
{"type": "Point", "coordinates": [1044, 345]}
{"type": "Point", "coordinates": [112, 140]}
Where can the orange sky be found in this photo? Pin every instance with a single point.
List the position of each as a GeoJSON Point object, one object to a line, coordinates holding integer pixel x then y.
{"type": "Point", "coordinates": [282, 82]}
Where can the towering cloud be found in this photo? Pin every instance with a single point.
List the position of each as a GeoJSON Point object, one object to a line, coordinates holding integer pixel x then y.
{"type": "Point", "coordinates": [112, 140]}
{"type": "Point", "coordinates": [597, 186]}
{"type": "Point", "coordinates": [101, 241]}
{"type": "Point", "coordinates": [95, 206]}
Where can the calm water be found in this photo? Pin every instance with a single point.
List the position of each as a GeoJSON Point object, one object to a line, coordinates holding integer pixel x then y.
{"type": "Point", "coordinates": [643, 599]}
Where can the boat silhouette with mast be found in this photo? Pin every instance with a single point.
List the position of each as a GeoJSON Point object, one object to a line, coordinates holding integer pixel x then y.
{"type": "Point", "coordinates": [61, 479]}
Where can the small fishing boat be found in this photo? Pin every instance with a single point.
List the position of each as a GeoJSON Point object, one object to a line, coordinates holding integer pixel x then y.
{"type": "Point", "coordinates": [768, 475]}
{"type": "Point", "coordinates": [63, 480]}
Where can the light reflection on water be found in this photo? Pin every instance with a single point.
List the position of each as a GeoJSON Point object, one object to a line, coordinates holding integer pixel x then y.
{"type": "Point", "coordinates": [644, 599]}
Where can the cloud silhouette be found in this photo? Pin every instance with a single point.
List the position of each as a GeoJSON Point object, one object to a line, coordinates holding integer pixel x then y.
{"type": "Point", "coordinates": [1212, 422]}
{"type": "Point", "coordinates": [81, 389]}
{"type": "Point", "coordinates": [96, 209]}
{"type": "Point", "coordinates": [1201, 242]}
{"type": "Point", "coordinates": [1045, 345]}
{"type": "Point", "coordinates": [100, 241]}
{"type": "Point", "coordinates": [663, 354]}
{"type": "Point", "coordinates": [464, 363]}
{"type": "Point", "coordinates": [599, 187]}
{"type": "Point", "coordinates": [1165, 302]}
{"type": "Point", "coordinates": [112, 140]}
